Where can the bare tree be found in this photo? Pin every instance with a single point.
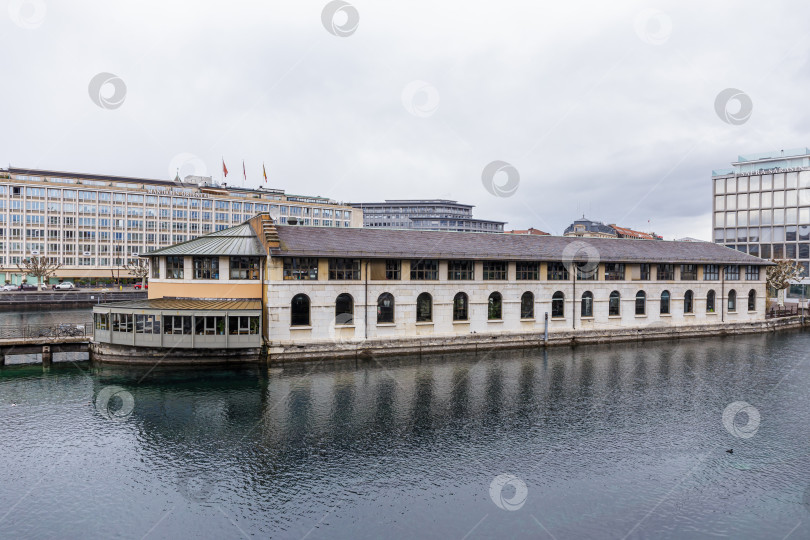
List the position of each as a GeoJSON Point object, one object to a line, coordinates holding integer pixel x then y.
{"type": "Point", "coordinates": [139, 269]}
{"type": "Point", "coordinates": [39, 267]}
{"type": "Point", "coordinates": [780, 276]}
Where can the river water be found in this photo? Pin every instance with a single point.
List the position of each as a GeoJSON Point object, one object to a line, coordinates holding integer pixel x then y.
{"type": "Point", "coordinates": [615, 441]}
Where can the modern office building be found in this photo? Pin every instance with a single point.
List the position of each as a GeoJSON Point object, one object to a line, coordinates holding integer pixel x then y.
{"type": "Point", "coordinates": [425, 215]}
{"type": "Point", "coordinates": [94, 224]}
{"type": "Point", "coordinates": [761, 205]}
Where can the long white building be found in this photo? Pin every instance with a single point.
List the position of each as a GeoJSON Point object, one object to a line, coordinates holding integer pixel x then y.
{"type": "Point", "coordinates": [94, 224]}
{"type": "Point", "coordinates": [306, 292]}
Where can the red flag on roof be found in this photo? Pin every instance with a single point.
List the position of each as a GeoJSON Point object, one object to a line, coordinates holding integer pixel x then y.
{"type": "Point", "coordinates": [264, 171]}
{"type": "Point", "coordinates": [224, 168]}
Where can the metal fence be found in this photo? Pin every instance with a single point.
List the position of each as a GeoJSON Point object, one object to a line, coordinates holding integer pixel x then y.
{"type": "Point", "coordinates": [90, 297]}
{"type": "Point", "coordinates": [46, 331]}
{"type": "Point", "coordinates": [788, 310]}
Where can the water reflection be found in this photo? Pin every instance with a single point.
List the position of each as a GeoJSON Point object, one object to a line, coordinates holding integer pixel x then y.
{"type": "Point", "coordinates": [398, 445]}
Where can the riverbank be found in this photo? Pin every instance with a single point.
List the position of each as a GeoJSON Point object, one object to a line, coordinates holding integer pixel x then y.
{"type": "Point", "coordinates": [374, 348]}
{"type": "Point", "coordinates": [48, 300]}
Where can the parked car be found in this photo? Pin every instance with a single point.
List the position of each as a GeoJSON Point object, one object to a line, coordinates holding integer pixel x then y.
{"type": "Point", "coordinates": [64, 286]}
{"type": "Point", "coordinates": [138, 286]}
{"type": "Point", "coordinates": [27, 287]}
{"type": "Point", "coordinates": [9, 287]}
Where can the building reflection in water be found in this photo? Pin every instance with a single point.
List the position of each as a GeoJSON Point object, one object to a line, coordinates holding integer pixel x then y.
{"type": "Point", "coordinates": [294, 410]}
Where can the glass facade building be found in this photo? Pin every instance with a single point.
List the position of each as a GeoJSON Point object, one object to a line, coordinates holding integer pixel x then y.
{"type": "Point", "coordinates": [761, 206]}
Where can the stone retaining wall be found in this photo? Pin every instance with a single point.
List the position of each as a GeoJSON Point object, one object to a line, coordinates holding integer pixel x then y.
{"type": "Point", "coordinates": [479, 343]}
{"type": "Point", "coordinates": [483, 342]}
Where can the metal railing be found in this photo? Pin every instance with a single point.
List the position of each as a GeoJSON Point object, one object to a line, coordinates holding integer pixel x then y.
{"type": "Point", "coordinates": [46, 331]}
{"type": "Point", "coordinates": [25, 297]}
{"type": "Point", "coordinates": [788, 310]}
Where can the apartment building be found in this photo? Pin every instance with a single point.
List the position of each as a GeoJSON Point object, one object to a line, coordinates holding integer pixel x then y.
{"type": "Point", "coordinates": [93, 225]}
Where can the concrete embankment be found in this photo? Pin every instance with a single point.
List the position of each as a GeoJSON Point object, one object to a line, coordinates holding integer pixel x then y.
{"type": "Point", "coordinates": [479, 343]}
{"type": "Point", "coordinates": [34, 300]}
{"type": "Point", "coordinates": [476, 343]}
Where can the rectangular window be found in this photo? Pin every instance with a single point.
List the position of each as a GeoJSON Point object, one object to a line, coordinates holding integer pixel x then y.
{"type": "Point", "coordinates": [527, 271]}
{"type": "Point", "coordinates": [102, 321]}
{"type": "Point", "coordinates": [393, 269]}
{"type": "Point", "coordinates": [344, 269]}
{"type": "Point", "coordinates": [666, 272]}
{"type": "Point", "coordinates": [248, 268]}
{"type": "Point", "coordinates": [177, 324]}
{"type": "Point", "coordinates": [424, 269]}
{"type": "Point", "coordinates": [556, 272]}
{"type": "Point", "coordinates": [206, 267]}
{"type": "Point", "coordinates": [122, 322]}
{"type": "Point", "coordinates": [645, 272]}
{"type": "Point", "coordinates": [614, 272]}
{"type": "Point", "coordinates": [495, 270]}
{"type": "Point", "coordinates": [688, 272]}
{"type": "Point", "coordinates": [711, 272]}
{"type": "Point", "coordinates": [300, 268]}
{"type": "Point", "coordinates": [460, 270]}
{"type": "Point", "coordinates": [752, 273]}
{"type": "Point", "coordinates": [174, 267]}
{"type": "Point", "coordinates": [587, 271]}
{"type": "Point", "coordinates": [732, 272]}
{"type": "Point", "coordinates": [243, 325]}
{"type": "Point", "coordinates": [147, 324]}
{"type": "Point", "coordinates": [155, 264]}
{"type": "Point", "coordinates": [209, 325]}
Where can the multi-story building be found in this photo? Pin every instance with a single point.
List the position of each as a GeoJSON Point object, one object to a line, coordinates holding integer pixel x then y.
{"type": "Point", "coordinates": [425, 215]}
{"type": "Point", "coordinates": [587, 228]}
{"type": "Point", "coordinates": [761, 206]}
{"type": "Point", "coordinates": [94, 224]}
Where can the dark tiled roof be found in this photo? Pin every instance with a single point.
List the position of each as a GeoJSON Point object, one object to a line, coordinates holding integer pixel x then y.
{"type": "Point", "coordinates": [238, 240]}
{"type": "Point", "coordinates": [183, 304]}
{"type": "Point", "coordinates": [385, 243]}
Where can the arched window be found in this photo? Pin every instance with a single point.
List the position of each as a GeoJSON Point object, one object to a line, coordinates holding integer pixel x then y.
{"type": "Point", "coordinates": [710, 302]}
{"type": "Point", "coordinates": [641, 303]}
{"type": "Point", "coordinates": [558, 305]}
{"type": "Point", "coordinates": [495, 306]}
{"type": "Point", "coordinates": [299, 310]}
{"type": "Point", "coordinates": [614, 304]}
{"type": "Point", "coordinates": [688, 302]}
{"type": "Point", "coordinates": [752, 300]}
{"type": "Point", "coordinates": [344, 309]}
{"type": "Point", "coordinates": [732, 300]}
{"type": "Point", "coordinates": [527, 306]}
{"type": "Point", "coordinates": [664, 303]}
{"type": "Point", "coordinates": [587, 304]}
{"type": "Point", "coordinates": [424, 308]}
{"type": "Point", "coordinates": [460, 304]}
{"type": "Point", "coordinates": [385, 308]}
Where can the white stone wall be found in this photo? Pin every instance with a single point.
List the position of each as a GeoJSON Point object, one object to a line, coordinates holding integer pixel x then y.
{"type": "Point", "coordinates": [322, 294]}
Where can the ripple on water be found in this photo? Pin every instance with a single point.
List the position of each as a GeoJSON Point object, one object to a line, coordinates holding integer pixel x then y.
{"type": "Point", "coordinates": [607, 440]}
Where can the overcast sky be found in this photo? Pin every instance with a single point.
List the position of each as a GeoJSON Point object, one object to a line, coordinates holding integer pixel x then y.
{"type": "Point", "coordinates": [602, 108]}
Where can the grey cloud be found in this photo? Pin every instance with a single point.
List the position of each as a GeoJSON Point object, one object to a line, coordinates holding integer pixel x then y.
{"type": "Point", "coordinates": [592, 116]}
